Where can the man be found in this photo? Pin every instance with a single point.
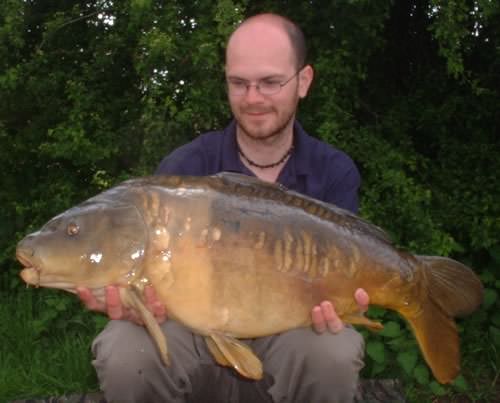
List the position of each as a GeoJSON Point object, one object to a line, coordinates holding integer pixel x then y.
{"type": "Point", "coordinates": [266, 77]}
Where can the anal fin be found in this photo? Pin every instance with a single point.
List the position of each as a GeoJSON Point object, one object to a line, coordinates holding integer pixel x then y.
{"type": "Point", "coordinates": [360, 319]}
{"type": "Point", "coordinates": [218, 355]}
{"type": "Point", "coordinates": [229, 351]}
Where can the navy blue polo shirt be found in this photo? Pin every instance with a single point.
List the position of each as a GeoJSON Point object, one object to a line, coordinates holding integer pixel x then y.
{"type": "Point", "coordinates": [314, 168]}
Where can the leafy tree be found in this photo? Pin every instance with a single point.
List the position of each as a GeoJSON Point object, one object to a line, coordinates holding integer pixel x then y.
{"type": "Point", "coordinates": [95, 91]}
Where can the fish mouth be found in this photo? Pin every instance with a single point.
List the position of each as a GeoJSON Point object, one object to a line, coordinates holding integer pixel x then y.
{"type": "Point", "coordinates": [30, 274]}
{"type": "Point", "coordinates": [33, 275]}
{"type": "Point", "coordinates": [23, 259]}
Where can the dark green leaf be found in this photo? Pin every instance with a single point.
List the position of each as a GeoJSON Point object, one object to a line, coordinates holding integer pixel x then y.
{"type": "Point", "coordinates": [391, 329]}
{"type": "Point", "coordinates": [437, 389]}
{"type": "Point", "coordinates": [376, 351]}
{"type": "Point", "coordinates": [490, 297]}
{"type": "Point", "coordinates": [376, 312]}
{"type": "Point", "coordinates": [421, 374]}
{"type": "Point", "coordinates": [488, 277]}
{"type": "Point", "coordinates": [377, 369]}
{"type": "Point", "coordinates": [407, 360]}
{"type": "Point", "coordinates": [460, 383]}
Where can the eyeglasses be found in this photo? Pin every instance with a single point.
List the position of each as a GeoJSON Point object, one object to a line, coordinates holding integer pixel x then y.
{"type": "Point", "coordinates": [270, 86]}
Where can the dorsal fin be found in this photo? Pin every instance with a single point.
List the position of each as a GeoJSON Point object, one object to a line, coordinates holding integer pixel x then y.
{"type": "Point", "coordinates": [234, 178]}
{"type": "Point", "coordinates": [252, 186]}
{"type": "Point", "coordinates": [232, 183]}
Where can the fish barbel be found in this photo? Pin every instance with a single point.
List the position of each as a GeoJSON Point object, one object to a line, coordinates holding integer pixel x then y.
{"type": "Point", "coordinates": [233, 257]}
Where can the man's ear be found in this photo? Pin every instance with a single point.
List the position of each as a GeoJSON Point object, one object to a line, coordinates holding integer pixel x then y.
{"type": "Point", "coordinates": [306, 76]}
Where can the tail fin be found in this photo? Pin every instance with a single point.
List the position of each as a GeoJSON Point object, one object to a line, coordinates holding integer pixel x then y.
{"type": "Point", "coordinates": [452, 285]}
{"type": "Point", "coordinates": [452, 289]}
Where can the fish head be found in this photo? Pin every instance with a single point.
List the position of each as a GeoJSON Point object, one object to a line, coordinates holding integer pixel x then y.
{"type": "Point", "coordinates": [92, 245]}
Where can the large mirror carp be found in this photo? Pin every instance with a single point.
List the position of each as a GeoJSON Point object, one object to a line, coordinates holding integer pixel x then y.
{"type": "Point", "coordinates": [233, 257]}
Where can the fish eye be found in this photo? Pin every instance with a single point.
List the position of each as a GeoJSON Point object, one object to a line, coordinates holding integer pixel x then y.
{"type": "Point", "coordinates": [72, 229]}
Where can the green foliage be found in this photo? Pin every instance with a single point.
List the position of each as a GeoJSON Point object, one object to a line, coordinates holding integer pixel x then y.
{"type": "Point", "coordinates": [451, 29]}
{"type": "Point", "coordinates": [42, 356]}
{"type": "Point", "coordinates": [407, 360]}
{"type": "Point", "coordinates": [94, 92]}
{"type": "Point", "coordinates": [393, 351]}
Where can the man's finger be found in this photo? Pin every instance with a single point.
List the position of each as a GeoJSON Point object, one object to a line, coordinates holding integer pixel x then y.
{"type": "Point", "coordinates": [133, 317]}
{"type": "Point", "coordinates": [333, 322]}
{"type": "Point", "coordinates": [159, 311]}
{"type": "Point", "coordinates": [114, 305]}
{"type": "Point", "coordinates": [89, 300]}
{"type": "Point", "coordinates": [154, 305]}
{"type": "Point", "coordinates": [362, 299]}
{"type": "Point", "coordinates": [318, 321]}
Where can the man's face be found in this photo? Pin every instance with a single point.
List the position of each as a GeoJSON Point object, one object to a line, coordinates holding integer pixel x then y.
{"type": "Point", "coordinates": [256, 53]}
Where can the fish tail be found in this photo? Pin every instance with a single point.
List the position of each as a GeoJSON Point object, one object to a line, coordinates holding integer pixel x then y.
{"type": "Point", "coordinates": [452, 285]}
{"type": "Point", "coordinates": [451, 289]}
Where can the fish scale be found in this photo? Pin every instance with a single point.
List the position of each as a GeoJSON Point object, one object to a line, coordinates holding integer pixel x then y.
{"type": "Point", "coordinates": [234, 257]}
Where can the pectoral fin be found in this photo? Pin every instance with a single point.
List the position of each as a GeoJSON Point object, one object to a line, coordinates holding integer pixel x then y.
{"type": "Point", "coordinates": [360, 319]}
{"type": "Point", "coordinates": [131, 297]}
{"type": "Point", "coordinates": [228, 351]}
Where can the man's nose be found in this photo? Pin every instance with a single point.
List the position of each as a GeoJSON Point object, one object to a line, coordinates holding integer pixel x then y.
{"type": "Point", "coordinates": [253, 94]}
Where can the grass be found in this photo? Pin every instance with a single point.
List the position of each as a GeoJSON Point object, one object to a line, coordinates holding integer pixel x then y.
{"type": "Point", "coordinates": [39, 361]}
{"type": "Point", "coordinates": [46, 337]}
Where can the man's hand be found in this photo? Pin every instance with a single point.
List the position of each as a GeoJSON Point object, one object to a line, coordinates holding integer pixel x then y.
{"type": "Point", "coordinates": [324, 316]}
{"type": "Point", "coordinates": [113, 307]}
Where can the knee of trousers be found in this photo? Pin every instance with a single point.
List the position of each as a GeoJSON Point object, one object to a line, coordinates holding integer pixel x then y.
{"type": "Point", "coordinates": [123, 348]}
{"type": "Point", "coordinates": [340, 354]}
{"type": "Point", "coordinates": [329, 356]}
{"type": "Point", "coordinates": [315, 368]}
{"type": "Point", "coordinates": [128, 364]}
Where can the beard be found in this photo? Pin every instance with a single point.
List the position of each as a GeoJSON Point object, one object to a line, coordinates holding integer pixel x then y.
{"type": "Point", "coordinates": [267, 131]}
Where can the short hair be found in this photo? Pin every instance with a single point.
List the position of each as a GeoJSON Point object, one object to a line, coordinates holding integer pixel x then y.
{"type": "Point", "coordinates": [297, 40]}
{"type": "Point", "coordinates": [293, 31]}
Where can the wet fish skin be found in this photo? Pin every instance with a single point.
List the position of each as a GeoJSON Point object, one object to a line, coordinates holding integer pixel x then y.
{"type": "Point", "coordinates": [233, 257]}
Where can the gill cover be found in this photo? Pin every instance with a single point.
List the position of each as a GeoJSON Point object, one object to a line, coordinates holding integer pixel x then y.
{"type": "Point", "coordinates": [96, 243]}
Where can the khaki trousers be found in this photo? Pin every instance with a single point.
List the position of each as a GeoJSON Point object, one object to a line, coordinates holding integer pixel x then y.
{"type": "Point", "coordinates": [300, 366]}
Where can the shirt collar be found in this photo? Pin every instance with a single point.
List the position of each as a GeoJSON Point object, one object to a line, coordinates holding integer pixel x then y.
{"type": "Point", "coordinates": [297, 164]}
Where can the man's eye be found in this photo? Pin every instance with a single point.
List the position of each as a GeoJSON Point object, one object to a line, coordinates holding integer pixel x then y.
{"type": "Point", "coordinates": [270, 83]}
{"type": "Point", "coordinates": [238, 83]}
